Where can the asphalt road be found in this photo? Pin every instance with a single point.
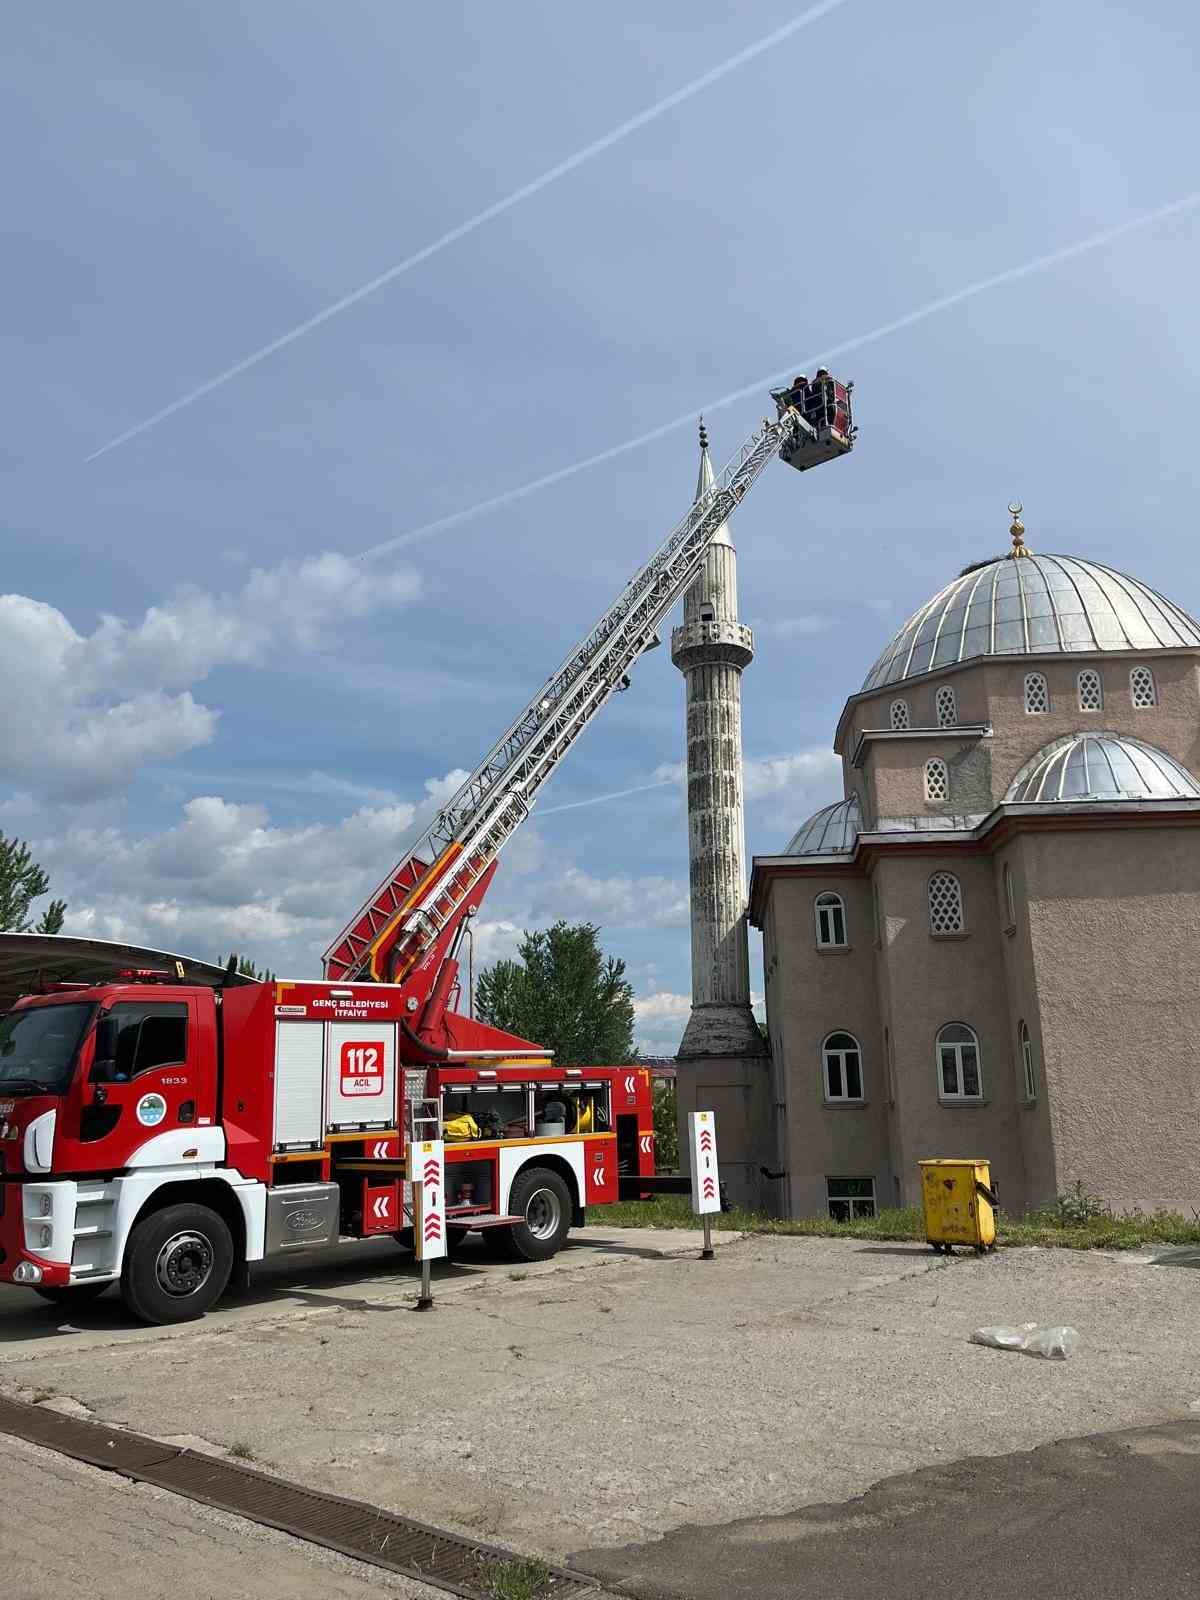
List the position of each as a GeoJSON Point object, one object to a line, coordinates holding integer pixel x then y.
{"type": "Point", "coordinates": [1111, 1517]}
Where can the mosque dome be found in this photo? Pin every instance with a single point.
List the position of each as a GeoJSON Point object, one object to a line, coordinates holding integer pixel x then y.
{"type": "Point", "coordinates": [1102, 766]}
{"type": "Point", "coordinates": [1023, 604]}
{"type": "Point", "coordinates": [832, 831]}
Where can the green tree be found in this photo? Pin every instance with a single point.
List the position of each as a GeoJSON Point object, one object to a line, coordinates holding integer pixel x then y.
{"type": "Point", "coordinates": [22, 881]}
{"type": "Point", "coordinates": [666, 1125]}
{"type": "Point", "coordinates": [564, 993]}
{"type": "Point", "coordinates": [246, 968]}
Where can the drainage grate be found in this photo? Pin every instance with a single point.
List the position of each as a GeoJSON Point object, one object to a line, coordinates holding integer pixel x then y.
{"type": "Point", "coordinates": [350, 1527]}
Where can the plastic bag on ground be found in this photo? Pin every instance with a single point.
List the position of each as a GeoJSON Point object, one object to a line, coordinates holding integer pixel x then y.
{"type": "Point", "coordinates": [1051, 1344]}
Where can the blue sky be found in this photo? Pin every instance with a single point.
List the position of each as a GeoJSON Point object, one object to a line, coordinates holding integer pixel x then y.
{"type": "Point", "coordinates": [221, 721]}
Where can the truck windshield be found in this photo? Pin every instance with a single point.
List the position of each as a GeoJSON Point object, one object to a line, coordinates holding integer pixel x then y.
{"type": "Point", "coordinates": [38, 1048]}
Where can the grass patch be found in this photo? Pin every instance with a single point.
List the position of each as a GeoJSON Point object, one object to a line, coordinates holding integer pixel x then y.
{"type": "Point", "coordinates": [1076, 1222]}
{"type": "Point", "coordinates": [518, 1579]}
{"type": "Point", "coordinates": [241, 1451]}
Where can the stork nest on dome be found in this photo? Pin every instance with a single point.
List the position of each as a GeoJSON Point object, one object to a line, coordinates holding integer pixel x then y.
{"type": "Point", "coordinates": [1018, 538]}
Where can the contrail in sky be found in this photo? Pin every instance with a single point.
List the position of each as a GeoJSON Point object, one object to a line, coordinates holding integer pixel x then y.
{"type": "Point", "coordinates": [488, 214]}
{"type": "Point", "coordinates": [599, 799]}
{"type": "Point", "coordinates": [981, 285]}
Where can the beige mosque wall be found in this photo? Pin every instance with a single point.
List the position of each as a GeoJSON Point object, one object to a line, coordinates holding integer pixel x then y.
{"type": "Point", "coordinates": [1114, 928]}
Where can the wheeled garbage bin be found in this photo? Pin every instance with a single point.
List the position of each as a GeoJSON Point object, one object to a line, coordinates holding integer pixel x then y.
{"type": "Point", "coordinates": [960, 1204]}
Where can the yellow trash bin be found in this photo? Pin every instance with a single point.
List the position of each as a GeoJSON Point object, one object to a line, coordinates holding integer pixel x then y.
{"type": "Point", "coordinates": [960, 1204]}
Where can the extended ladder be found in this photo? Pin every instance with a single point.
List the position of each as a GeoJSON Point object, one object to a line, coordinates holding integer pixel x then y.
{"type": "Point", "coordinates": [432, 886]}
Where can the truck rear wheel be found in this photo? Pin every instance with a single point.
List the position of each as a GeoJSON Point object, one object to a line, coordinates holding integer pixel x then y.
{"type": "Point", "coordinates": [542, 1199]}
{"type": "Point", "coordinates": [177, 1263]}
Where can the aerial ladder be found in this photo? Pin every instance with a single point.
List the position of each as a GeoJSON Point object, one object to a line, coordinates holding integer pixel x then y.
{"type": "Point", "coordinates": [410, 930]}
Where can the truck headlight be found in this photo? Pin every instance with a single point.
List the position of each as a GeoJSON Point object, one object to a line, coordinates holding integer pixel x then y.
{"type": "Point", "coordinates": [47, 1204]}
{"type": "Point", "coordinates": [47, 1237]}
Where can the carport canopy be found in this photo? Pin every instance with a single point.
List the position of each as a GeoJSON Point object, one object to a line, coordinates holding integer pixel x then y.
{"type": "Point", "coordinates": [31, 961]}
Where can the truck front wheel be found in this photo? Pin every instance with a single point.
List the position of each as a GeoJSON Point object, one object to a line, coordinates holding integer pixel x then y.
{"type": "Point", "coordinates": [542, 1200]}
{"type": "Point", "coordinates": [177, 1263]}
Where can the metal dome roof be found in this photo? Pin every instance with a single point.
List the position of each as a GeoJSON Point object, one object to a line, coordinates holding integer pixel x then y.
{"type": "Point", "coordinates": [1102, 766]}
{"type": "Point", "coordinates": [832, 831]}
{"type": "Point", "coordinates": [1032, 604]}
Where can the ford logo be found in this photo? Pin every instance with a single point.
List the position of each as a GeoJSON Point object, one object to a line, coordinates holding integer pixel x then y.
{"type": "Point", "coordinates": [305, 1221]}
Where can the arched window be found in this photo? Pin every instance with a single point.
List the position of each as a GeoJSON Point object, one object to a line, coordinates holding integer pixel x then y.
{"type": "Point", "coordinates": [1141, 688]}
{"type": "Point", "coordinates": [945, 904]}
{"type": "Point", "coordinates": [1027, 1062]}
{"type": "Point", "coordinates": [1037, 696]}
{"type": "Point", "coordinates": [937, 780]}
{"type": "Point", "coordinates": [1091, 691]}
{"type": "Point", "coordinates": [1010, 903]}
{"type": "Point", "coordinates": [843, 1067]}
{"type": "Point", "coordinates": [958, 1063]}
{"type": "Point", "coordinates": [945, 706]}
{"type": "Point", "coordinates": [831, 921]}
{"type": "Point", "coordinates": [900, 714]}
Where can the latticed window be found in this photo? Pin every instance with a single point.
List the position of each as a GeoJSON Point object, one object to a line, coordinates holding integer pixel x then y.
{"type": "Point", "coordinates": [900, 714]}
{"type": "Point", "coordinates": [1141, 688]}
{"type": "Point", "coordinates": [1027, 1062]}
{"type": "Point", "coordinates": [937, 779]}
{"type": "Point", "coordinates": [1091, 693]}
{"type": "Point", "coordinates": [1037, 696]}
{"type": "Point", "coordinates": [945, 904]}
{"type": "Point", "coordinates": [843, 1067]}
{"type": "Point", "coordinates": [958, 1063]}
{"type": "Point", "coordinates": [945, 706]}
{"type": "Point", "coordinates": [831, 921]}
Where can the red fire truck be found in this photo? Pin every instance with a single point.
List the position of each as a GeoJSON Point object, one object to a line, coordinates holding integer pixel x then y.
{"type": "Point", "coordinates": [170, 1134]}
{"type": "Point", "coordinates": [165, 1127]}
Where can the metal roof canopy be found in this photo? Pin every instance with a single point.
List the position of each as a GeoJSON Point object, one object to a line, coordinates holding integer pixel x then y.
{"type": "Point", "coordinates": [29, 961]}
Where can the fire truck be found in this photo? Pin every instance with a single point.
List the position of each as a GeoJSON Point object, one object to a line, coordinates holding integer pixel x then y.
{"type": "Point", "coordinates": [166, 1124]}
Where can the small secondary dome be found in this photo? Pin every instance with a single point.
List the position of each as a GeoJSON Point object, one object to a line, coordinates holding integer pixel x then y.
{"type": "Point", "coordinates": [832, 831]}
{"type": "Point", "coordinates": [1102, 766]}
{"type": "Point", "coordinates": [1039, 604]}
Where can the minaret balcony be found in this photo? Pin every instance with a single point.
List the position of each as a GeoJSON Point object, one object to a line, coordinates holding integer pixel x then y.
{"type": "Point", "coordinates": [699, 644]}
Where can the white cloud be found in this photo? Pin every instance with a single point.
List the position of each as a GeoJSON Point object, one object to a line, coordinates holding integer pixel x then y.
{"type": "Point", "coordinates": [620, 901]}
{"type": "Point", "coordinates": [652, 1010]}
{"type": "Point", "coordinates": [800, 772]}
{"type": "Point", "coordinates": [804, 626]}
{"type": "Point", "coordinates": [83, 712]}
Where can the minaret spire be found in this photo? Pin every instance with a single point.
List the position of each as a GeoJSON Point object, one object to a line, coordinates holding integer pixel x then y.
{"type": "Point", "coordinates": [722, 1043]}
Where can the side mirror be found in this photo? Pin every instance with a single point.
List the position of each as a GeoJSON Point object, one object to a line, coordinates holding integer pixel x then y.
{"type": "Point", "coordinates": [104, 1065]}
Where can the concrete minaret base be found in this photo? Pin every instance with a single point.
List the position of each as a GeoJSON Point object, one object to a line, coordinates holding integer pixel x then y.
{"type": "Point", "coordinates": [723, 1061]}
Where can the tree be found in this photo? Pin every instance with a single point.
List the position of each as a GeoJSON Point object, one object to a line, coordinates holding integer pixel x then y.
{"type": "Point", "coordinates": [666, 1125]}
{"type": "Point", "coordinates": [563, 993]}
{"type": "Point", "coordinates": [245, 968]}
{"type": "Point", "coordinates": [22, 881]}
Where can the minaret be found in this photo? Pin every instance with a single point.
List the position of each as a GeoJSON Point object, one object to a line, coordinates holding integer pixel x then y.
{"type": "Point", "coordinates": [712, 649]}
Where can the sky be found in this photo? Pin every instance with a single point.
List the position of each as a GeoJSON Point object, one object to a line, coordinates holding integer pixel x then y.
{"type": "Point", "coordinates": [222, 720]}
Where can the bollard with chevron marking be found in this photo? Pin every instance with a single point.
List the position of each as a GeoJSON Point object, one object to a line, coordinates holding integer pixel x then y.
{"type": "Point", "coordinates": [706, 1182]}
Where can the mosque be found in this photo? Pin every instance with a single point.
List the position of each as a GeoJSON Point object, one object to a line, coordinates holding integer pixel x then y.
{"type": "Point", "coordinates": [989, 945]}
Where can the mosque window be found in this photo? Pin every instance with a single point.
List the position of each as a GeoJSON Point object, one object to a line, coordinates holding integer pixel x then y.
{"type": "Point", "coordinates": [850, 1198]}
{"type": "Point", "coordinates": [831, 922]}
{"type": "Point", "coordinates": [1027, 1061]}
{"type": "Point", "coordinates": [900, 715]}
{"type": "Point", "coordinates": [1141, 688]}
{"type": "Point", "coordinates": [1091, 691]}
{"type": "Point", "coordinates": [1010, 904]}
{"type": "Point", "coordinates": [946, 706]}
{"type": "Point", "coordinates": [958, 1063]}
{"type": "Point", "coordinates": [1037, 696]}
{"type": "Point", "coordinates": [937, 780]}
{"type": "Point", "coordinates": [843, 1067]}
{"type": "Point", "coordinates": [945, 904]}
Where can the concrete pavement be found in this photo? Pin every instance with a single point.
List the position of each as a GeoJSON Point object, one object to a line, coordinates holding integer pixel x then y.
{"type": "Point", "coordinates": [616, 1395]}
